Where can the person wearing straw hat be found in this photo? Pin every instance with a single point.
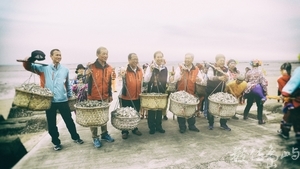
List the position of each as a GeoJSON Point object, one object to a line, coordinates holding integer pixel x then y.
{"type": "Point", "coordinates": [131, 90]}
{"type": "Point", "coordinates": [56, 78]}
{"type": "Point", "coordinates": [99, 88]}
{"type": "Point", "coordinates": [217, 79]}
{"type": "Point", "coordinates": [186, 76]}
{"type": "Point", "coordinates": [156, 76]}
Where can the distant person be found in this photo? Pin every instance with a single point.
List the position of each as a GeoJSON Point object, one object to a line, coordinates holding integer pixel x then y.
{"type": "Point", "coordinates": [247, 69]}
{"type": "Point", "coordinates": [156, 76]}
{"type": "Point", "coordinates": [80, 76]}
{"type": "Point", "coordinates": [292, 90]}
{"type": "Point", "coordinates": [186, 76]}
{"type": "Point", "coordinates": [256, 90]}
{"type": "Point", "coordinates": [55, 77]}
{"type": "Point", "coordinates": [80, 86]}
{"type": "Point", "coordinates": [285, 126]}
{"type": "Point", "coordinates": [99, 76]}
{"type": "Point", "coordinates": [233, 72]}
{"type": "Point", "coordinates": [164, 111]}
{"type": "Point", "coordinates": [285, 75]}
{"type": "Point", "coordinates": [242, 99]}
{"type": "Point", "coordinates": [113, 80]}
{"type": "Point", "coordinates": [201, 93]}
{"type": "Point", "coordinates": [144, 112]}
{"type": "Point", "coordinates": [217, 79]}
{"type": "Point", "coordinates": [131, 90]}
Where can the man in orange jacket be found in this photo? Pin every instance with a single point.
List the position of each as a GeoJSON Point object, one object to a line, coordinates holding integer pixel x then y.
{"type": "Point", "coordinates": [186, 76]}
{"type": "Point", "coordinates": [99, 88]}
{"type": "Point", "coordinates": [131, 90]}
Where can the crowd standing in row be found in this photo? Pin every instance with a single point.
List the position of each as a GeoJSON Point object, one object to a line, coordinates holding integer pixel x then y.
{"type": "Point", "coordinates": [98, 83]}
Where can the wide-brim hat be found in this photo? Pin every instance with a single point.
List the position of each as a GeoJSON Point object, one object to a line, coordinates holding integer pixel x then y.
{"type": "Point", "coordinates": [80, 66]}
{"type": "Point", "coordinates": [230, 61]}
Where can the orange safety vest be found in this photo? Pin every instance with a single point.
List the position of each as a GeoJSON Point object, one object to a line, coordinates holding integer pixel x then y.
{"type": "Point", "coordinates": [188, 80]}
{"type": "Point", "coordinates": [133, 83]}
{"type": "Point", "coordinates": [101, 82]}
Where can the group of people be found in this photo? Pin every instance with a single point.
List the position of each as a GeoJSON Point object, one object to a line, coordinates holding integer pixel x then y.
{"type": "Point", "coordinates": [98, 76]}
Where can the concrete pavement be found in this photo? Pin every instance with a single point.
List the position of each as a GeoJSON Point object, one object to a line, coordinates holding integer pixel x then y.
{"type": "Point", "coordinates": [248, 145]}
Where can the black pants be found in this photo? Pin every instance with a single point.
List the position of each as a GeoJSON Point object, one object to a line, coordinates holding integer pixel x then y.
{"type": "Point", "coordinates": [154, 119]}
{"type": "Point", "coordinates": [211, 118]}
{"type": "Point", "coordinates": [250, 100]}
{"type": "Point", "coordinates": [136, 104]}
{"type": "Point", "coordinates": [295, 119]}
{"type": "Point", "coordinates": [65, 112]}
{"type": "Point", "coordinates": [181, 121]}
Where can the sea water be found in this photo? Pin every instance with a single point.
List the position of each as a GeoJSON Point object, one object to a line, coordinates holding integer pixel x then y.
{"type": "Point", "coordinates": [12, 76]}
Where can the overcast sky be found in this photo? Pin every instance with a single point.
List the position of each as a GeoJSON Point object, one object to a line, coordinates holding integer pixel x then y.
{"type": "Point", "coordinates": [239, 29]}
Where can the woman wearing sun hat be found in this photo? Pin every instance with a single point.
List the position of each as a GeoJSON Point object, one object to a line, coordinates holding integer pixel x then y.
{"type": "Point", "coordinates": [79, 74]}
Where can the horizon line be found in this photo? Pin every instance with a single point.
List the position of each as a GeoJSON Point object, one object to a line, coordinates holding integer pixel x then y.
{"type": "Point", "coordinates": [239, 61]}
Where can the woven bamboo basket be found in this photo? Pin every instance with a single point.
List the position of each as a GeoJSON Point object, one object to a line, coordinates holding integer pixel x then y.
{"type": "Point", "coordinates": [92, 116]}
{"type": "Point", "coordinates": [222, 110]}
{"type": "Point", "coordinates": [32, 101]}
{"type": "Point", "coordinates": [22, 98]}
{"type": "Point", "coordinates": [154, 102]}
{"type": "Point", "coordinates": [40, 102]}
{"type": "Point", "coordinates": [72, 101]}
{"type": "Point", "coordinates": [200, 90]}
{"type": "Point", "coordinates": [124, 123]}
{"type": "Point", "coordinates": [182, 109]}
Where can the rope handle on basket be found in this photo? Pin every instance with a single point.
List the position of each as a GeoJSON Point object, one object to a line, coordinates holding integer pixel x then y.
{"type": "Point", "coordinates": [28, 80]}
{"type": "Point", "coordinates": [217, 87]}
